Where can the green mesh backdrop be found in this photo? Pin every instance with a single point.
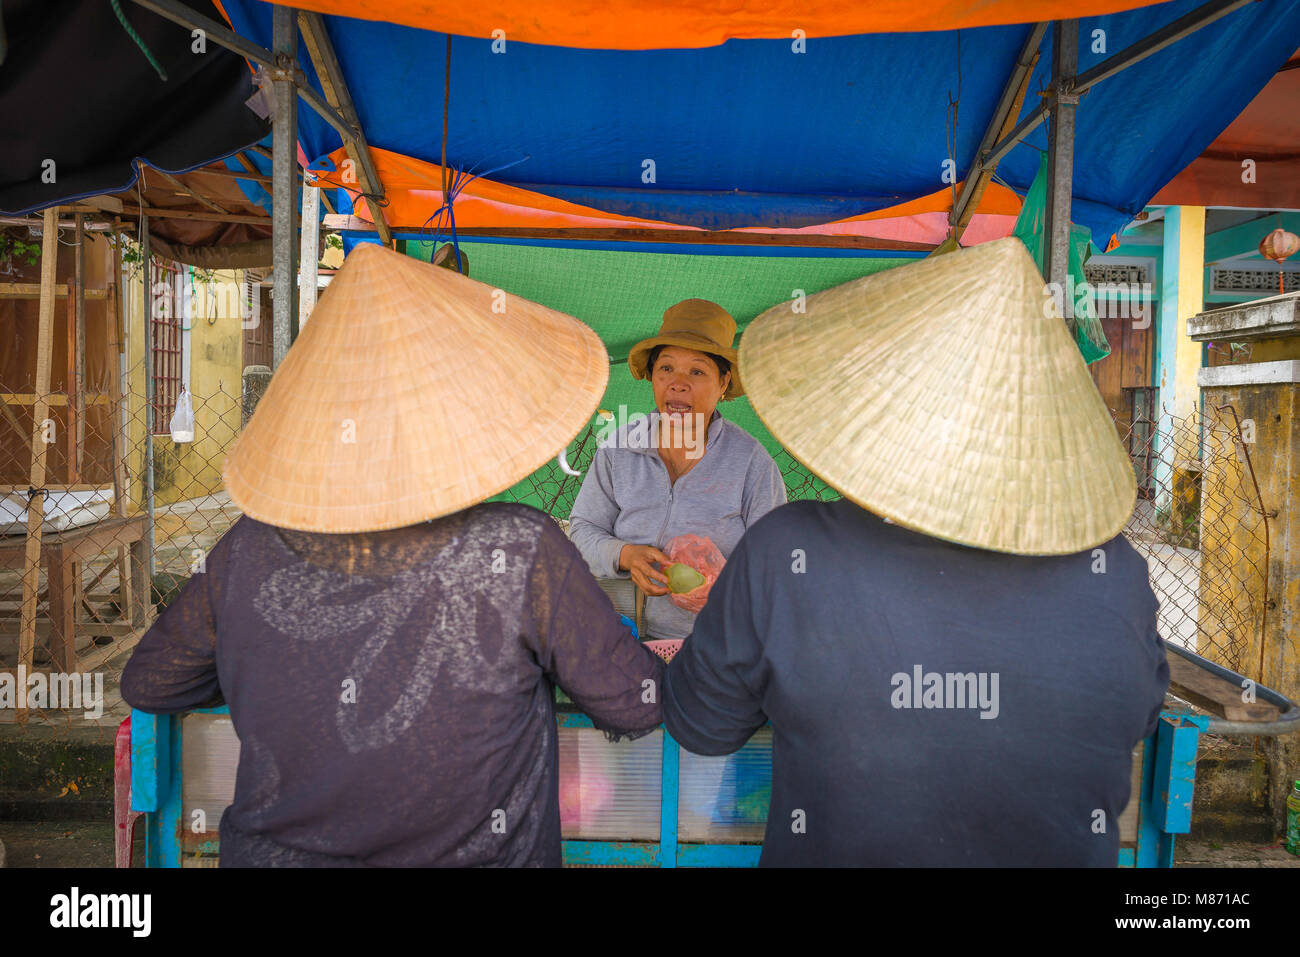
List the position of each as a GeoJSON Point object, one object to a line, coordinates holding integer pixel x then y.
{"type": "Point", "coordinates": [1031, 227]}
{"type": "Point", "coordinates": [622, 296]}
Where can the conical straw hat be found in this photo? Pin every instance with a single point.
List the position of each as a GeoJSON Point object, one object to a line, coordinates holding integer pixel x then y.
{"type": "Point", "coordinates": [407, 397]}
{"type": "Point", "coordinates": [947, 396]}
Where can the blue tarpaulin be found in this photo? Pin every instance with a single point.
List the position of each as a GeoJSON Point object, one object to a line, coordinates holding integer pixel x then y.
{"type": "Point", "coordinates": [750, 133]}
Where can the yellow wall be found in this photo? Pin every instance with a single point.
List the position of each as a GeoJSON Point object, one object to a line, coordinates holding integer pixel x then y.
{"type": "Point", "coordinates": [1273, 350]}
{"type": "Point", "coordinates": [216, 354]}
{"type": "Point", "coordinates": [1233, 553]}
{"type": "Point", "coordinates": [1232, 534]}
{"type": "Point", "coordinates": [192, 469]}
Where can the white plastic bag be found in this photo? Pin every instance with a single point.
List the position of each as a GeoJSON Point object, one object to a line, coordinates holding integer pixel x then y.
{"type": "Point", "coordinates": [183, 419]}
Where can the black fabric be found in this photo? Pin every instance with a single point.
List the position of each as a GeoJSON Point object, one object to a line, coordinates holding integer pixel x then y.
{"type": "Point", "coordinates": [393, 691]}
{"type": "Point", "coordinates": [76, 89]}
{"type": "Point", "coordinates": [819, 609]}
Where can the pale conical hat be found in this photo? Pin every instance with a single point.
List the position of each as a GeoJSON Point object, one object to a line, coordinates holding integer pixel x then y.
{"type": "Point", "coordinates": [947, 396]}
{"type": "Point", "coordinates": [407, 396]}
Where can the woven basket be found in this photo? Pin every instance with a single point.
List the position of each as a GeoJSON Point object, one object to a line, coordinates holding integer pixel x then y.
{"type": "Point", "coordinates": [665, 648]}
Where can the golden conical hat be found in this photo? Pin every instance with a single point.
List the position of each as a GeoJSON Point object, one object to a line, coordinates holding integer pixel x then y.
{"type": "Point", "coordinates": [948, 396]}
{"type": "Point", "coordinates": [408, 396]}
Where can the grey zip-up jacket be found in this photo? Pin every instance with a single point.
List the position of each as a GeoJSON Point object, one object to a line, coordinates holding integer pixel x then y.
{"type": "Point", "coordinates": [627, 499]}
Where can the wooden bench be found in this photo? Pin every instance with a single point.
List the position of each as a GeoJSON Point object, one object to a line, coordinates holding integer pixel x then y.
{"type": "Point", "coordinates": [62, 554]}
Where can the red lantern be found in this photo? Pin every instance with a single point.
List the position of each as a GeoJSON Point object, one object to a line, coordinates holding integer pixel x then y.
{"type": "Point", "coordinates": [1277, 246]}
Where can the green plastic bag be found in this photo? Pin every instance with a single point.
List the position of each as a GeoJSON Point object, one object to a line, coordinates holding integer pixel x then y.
{"type": "Point", "coordinates": [1030, 227]}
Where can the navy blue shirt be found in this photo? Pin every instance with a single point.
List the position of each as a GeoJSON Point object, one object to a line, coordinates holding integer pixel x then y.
{"type": "Point", "coordinates": [931, 704]}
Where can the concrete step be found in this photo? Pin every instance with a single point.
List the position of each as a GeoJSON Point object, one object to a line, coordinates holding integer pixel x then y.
{"type": "Point", "coordinates": [56, 775]}
{"type": "Point", "coordinates": [1222, 827]}
{"type": "Point", "coordinates": [1231, 800]}
{"type": "Point", "coordinates": [33, 806]}
{"type": "Point", "coordinates": [1216, 854]}
{"type": "Point", "coordinates": [63, 844]}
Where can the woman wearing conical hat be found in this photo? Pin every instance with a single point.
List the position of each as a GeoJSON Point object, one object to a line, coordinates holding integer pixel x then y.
{"type": "Point", "coordinates": [684, 470]}
{"type": "Point", "coordinates": [958, 657]}
{"type": "Point", "coordinates": [386, 641]}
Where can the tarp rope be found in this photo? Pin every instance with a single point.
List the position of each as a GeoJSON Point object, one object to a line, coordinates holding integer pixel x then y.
{"type": "Point", "coordinates": [130, 31]}
{"type": "Point", "coordinates": [459, 179]}
{"type": "Point", "coordinates": [447, 198]}
{"type": "Point", "coordinates": [453, 180]}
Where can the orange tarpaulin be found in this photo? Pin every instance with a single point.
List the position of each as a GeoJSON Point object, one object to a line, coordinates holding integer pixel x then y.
{"type": "Point", "coordinates": [685, 24]}
{"type": "Point", "coordinates": [413, 189]}
{"type": "Point", "coordinates": [1255, 162]}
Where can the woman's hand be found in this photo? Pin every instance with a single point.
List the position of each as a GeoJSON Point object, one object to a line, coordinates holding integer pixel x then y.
{"type": "Point", "coordinates": [637, 559]}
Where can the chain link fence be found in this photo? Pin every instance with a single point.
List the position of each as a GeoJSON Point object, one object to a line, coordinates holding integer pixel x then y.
{"type": "Point", "coordinates": [114, 546]}
{"type": "Point", "coordinates": [127, 506]}
{"type": "Point", "coordinates": [1201, 525]}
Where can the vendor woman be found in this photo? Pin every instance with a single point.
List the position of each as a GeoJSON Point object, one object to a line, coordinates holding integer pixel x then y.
{"type": "Point", "coordinates": [687, 470]}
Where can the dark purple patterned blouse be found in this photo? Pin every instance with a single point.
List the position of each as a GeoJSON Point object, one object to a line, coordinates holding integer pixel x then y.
{"type": "Point", "coordinates": [392, 691]}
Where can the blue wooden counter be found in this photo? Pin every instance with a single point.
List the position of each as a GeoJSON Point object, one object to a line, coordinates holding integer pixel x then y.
{"type": "Point", "coordinates": [634, 803]}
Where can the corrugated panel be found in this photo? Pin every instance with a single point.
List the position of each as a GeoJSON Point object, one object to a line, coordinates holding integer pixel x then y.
{"type": "Point", "coordinates": [609, 791]}
{"type": "Point", "coordinates": [726, 798]}
{"type": "Point", "coordinates": [1128, 821]}
{"type": "Point", "coordinates": [209, 759]}
{"type": "Point", "coordinates": [621, 593]}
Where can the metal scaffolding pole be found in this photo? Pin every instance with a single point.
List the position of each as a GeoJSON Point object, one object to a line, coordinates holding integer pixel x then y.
{"type": "Point", "coordinates": [320, 50]}
{"type": "Point", "coordinates": [178, 12]}
{"type": "Point", "coordinates": [1000, 124]}
{"type": "Point", "coordinates": [1060, 156]}
{"type": "Point", "coordinates": [1184, 26]}
{"type": "Point", "coordinates": [284, 216]}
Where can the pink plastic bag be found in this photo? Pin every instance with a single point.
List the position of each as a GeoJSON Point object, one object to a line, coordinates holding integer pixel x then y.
{"type": "Point", "coordinates": [701, 554]}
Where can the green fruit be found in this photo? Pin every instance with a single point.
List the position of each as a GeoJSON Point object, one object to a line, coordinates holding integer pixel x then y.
{"type": "Point", "coordinates": [683, 578]}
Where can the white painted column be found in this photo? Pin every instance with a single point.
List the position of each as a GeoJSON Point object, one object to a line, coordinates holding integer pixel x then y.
{"type": "Point", "coordinates": [309, 252]}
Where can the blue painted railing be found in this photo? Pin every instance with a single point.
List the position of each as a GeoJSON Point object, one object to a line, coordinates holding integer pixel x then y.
{"type": "Point", "coordinates": [1168, 781]}
{"type": "Point", "coordinates": [1164, 808]}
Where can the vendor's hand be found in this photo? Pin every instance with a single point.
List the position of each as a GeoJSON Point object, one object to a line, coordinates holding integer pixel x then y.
{"type": "Point", "coordinates": [637, 559]}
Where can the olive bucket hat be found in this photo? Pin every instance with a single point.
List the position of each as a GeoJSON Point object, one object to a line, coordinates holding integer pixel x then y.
{"type": "Point", "coordinates": [693, 324]}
